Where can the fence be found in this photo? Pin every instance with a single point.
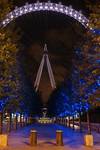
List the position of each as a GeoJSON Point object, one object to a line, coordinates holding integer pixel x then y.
{"type": "Point", "coordinates": [9, 122]}
{"type": "Point", "coordinates": [76, 124]}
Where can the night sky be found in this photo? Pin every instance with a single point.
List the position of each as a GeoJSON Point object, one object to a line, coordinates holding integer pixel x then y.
{"type": "Point", "coordinates": [60, 32]}
{"type": "Point", "coordinates": [77, 4]}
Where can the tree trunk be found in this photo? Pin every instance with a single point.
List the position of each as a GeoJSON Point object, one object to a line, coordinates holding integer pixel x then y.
{"type": "Point", "coordinates": [1, 122]}
{"type": "Point", "coordinates": [88, 123]}
{"type": "Point", "coordinates": [68, 121]}
{"type": "Point", "coordinates": [15, 122]}
{"type": "Point", "coordinates": [73, 122]}
{"type": "Point", "coordinates": [80, 123]}
{"type": "Point", "coordinates": [9, 123]}
{"type": "Point", "coordinates": [20, 120]}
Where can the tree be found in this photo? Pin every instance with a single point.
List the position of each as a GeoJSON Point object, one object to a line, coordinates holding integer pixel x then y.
{"type": "Point", "coordinates": [60, 103]}
{"type": "Point", "coordinates": [88, 65]}
{"type": "Point", "coordinates": [90, 52]}
{"type": "Point", "coordinates": [9, 76]}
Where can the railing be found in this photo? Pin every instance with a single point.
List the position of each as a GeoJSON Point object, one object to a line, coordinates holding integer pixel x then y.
{"type": "Point", "coordinates": [11, 122]}
{"type": "Point", "coordinates": [76, 125]}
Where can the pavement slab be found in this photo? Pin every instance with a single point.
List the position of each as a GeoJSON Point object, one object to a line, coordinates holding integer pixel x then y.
{"type": "Point", "coordinates": [73, 140]}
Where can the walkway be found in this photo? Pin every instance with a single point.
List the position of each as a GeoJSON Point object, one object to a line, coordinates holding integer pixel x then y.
{"type": "Point", "coordinates": [73, 140]}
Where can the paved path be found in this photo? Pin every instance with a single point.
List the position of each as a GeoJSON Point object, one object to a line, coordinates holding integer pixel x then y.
{"type": "Point", "coordinates": [73, 140]}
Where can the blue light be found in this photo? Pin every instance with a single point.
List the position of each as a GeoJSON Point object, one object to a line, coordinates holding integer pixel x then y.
{"type": "Point", "coordinates": [96, 31]}
{"type": "Point", "coordinates": [98, 61]}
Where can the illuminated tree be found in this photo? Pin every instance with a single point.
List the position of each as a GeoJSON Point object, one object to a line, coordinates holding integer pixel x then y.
{"type": "Point", "coordinates": [9, 76]}
{"type": "Point", "coordinates": [87, 62]}
{"type": "Point", "coordinates": [90, 72]}
{"type": "Point", "coordinates": [60, 103]}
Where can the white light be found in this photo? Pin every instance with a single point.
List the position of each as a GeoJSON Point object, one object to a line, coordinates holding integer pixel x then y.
{"type": "Point", "coordinates": [21, 12]}
{"type": "Point", "coordinates": [83, 20]}
{"type": "Point", "coordinates": [7, 20]}
{"type": "Point", "coordinates": [36, 7]}
{"type": "Point", "coordinates": [66, 11]}
{"type": "Point", "coordinates": [75, 15]}
{"type": "Point", "coordinates": [70, 13]}
{"type": "Point", "coordinates": [30, 8]}
{"type": "Point", "coordinates": [87, 24]}
{"type": "Point", "coordinates": [15, 115]}
{"type": "Point", "coordinates": [91, 28]}
{"type": "Point", "coordinates": [46, 7]}
{"type": "Point", "coordinates": [51, 7]}
{"type": "Point", "coordinates": [79, 17]}
{"type": "Point", "coordinates": [61, 9]}
{"type": "Point", "coordinates": [12, 115]}
{"type": "Point", "coordinates": [3, 22]}
{"type": "Point", "coordinates": [56, 8]}
{"type": "Point", "coordinates": [26, 10]}
{"type": "Point", "coordinates": [16, 13]}
{"type": "Point", "coordinates": [11, 16]}
{"type": "Point", "coordinates": [41, 7]}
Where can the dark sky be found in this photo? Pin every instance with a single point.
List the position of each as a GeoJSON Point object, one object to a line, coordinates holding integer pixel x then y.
{"type": "Point", "coordinates": [60, 32]}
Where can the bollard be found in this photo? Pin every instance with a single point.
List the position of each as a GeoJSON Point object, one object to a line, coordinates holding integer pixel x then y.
{"type": "Point", "coordinates": [3, 140]}
{"type": "Point", "coordinates": [59, 138]}
{"type": "Point", "coordinates": [33, 138]}
{"type": "Point", "coordinates": [88, 140]}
